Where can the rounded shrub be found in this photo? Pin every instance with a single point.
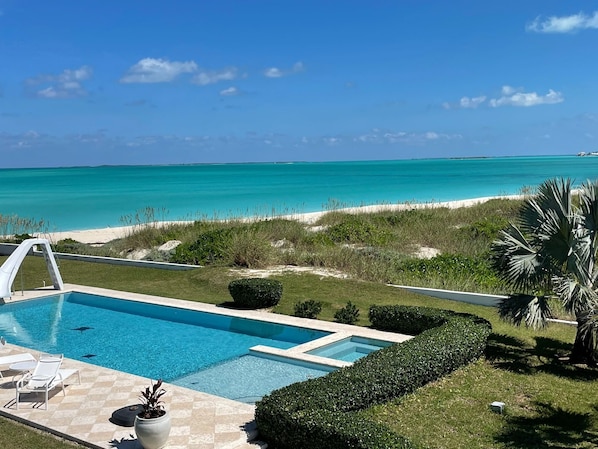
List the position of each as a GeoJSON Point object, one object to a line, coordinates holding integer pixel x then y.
{"type": "Point", "coordinates": [255, 293]}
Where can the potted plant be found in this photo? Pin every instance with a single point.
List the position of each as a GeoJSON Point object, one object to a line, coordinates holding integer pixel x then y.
{"type": "Point", "coordinates": [152, 424]}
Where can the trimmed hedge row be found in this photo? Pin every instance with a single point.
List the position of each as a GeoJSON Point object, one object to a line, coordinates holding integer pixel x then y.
{"type": "Point", "coordinates": [323, 412]}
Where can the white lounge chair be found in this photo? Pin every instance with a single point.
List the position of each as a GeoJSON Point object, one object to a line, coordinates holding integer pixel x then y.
{"type": "Point", "coordinates": [7, 360]}
{"type": "Point", "coordinates": [46, 376]}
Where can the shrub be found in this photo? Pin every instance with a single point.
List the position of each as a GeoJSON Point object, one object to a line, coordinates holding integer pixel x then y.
{"type": "Point", "coordinates": [356, 229]}
{"type": "Point", "coordinates": [325, 411]}
{"type": "Point", "coordinates": [450, 267]}
{"type": "Point", "coordinates": [406, 319]}
{"type": "Point", "coordinates": [19, 238]}
{"type": "Point", "coordinates": [255, 293]}
{"type": "Point", "coordinates": [348, 314]}
{"type": "Point", "coordinates": [70, 246]}
{"type": "Point", "coordinates": [308, 309]}
{"type": "Point", "coordinates": [318, 239]}
{"type": "Point", "coordinates": [488, 227]}
{"type": "Point", "coordinates": [210, 247]}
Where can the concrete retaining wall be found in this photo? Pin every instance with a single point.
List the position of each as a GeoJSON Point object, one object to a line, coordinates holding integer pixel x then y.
{"type": "Point", "coordinates": [481, 299]}
{"type": "Point", "coordinates": [6, 249]}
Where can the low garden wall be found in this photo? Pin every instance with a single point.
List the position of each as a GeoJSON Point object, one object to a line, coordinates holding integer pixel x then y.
{"type": "Point", "coordinates": [481, 299]}
{"type": "Point", "coordinates": [7, 248]}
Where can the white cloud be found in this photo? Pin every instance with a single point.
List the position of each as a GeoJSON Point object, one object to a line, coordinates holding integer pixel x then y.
{"type": "Point", "coordinates": [67, 84]}
{"type": "Point", "coordinates": [275, 72]}
{"type": "Point", "coordinates": [515, 97]}
{"type": "Point", "coordinates": [331, 141]}
{"type": "Point", "coordinates": [150, 70]}
{"type": "Point", "coordinates": [467, 102]}
{"type": "Point", "coordinates": [510, 96]}
{"type": "Point", "coordinates": [204, 77]}
{"type": "Point", "coordinates": [564, 24]}
{"type": "Point", "coordinates": [230, 92]}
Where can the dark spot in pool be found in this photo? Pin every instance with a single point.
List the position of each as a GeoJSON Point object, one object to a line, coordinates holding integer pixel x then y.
{"type": "Point", "coordinates": [88, 356]}
{"type": "Point", "coordinates": [82, 328]}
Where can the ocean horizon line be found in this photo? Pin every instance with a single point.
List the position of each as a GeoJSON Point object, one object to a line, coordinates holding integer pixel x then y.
{"type": "Point", "coordinates": [282, 162]}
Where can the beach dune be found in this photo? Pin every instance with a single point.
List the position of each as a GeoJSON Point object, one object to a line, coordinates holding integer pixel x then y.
{"type": "Point", "coordinates": [104, 235]}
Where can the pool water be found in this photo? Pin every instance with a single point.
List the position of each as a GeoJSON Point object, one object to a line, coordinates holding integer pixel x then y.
{"type": "Point", "coordinates": [350, 349]}
{"type": "Point", "coordinates": [249, 377]}
{"type": "Point", "coordinates": [178, 345]}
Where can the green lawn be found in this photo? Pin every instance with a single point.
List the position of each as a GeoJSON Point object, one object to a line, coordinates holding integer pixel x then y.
{"type": "Point", "coordinates": [549, 404]}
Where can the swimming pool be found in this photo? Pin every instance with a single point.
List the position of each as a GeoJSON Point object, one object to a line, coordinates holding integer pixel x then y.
{"type": "Point", "coordinates": [350, 349]}
{"type": "Point", "coordinates": [210, 352]}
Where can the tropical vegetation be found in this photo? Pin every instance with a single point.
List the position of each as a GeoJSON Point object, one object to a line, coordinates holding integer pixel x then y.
{"type": "Point", "coordinates": [550, 250]}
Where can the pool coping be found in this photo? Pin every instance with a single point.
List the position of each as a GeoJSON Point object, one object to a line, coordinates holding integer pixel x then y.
{"type": "Point", "coordinates": [229, 423]}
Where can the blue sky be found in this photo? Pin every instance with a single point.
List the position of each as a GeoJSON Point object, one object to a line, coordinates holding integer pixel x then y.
{"type": "Point", "coordinates": [201, 81]}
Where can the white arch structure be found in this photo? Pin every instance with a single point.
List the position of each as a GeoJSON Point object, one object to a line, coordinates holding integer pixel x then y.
{"type": "Point", "coordinates": [10, 267]}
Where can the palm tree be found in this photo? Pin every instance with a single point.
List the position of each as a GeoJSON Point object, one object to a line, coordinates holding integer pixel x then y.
{"type": "Point", "coordinates": [551, 251]}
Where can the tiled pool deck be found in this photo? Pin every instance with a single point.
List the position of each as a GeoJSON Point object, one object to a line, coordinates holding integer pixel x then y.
{"type": "Point", "coordinates": [199, 420]}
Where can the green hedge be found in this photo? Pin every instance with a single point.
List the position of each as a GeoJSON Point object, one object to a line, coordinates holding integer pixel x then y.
{"type": "Point", "coordinates": [255, 293]}
{"type": "Point", "coordinates": [323, 413]}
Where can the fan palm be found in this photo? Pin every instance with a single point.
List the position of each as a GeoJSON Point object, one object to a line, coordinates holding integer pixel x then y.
{"type": "Point", "coordinates": [551, 251]}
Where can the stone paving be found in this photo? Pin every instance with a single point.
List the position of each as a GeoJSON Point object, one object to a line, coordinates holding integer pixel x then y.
{"type": "Point", "coordinates": [199, 420]}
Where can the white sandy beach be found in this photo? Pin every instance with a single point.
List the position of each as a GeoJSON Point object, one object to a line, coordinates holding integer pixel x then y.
{"type": "Point", "coordinates": [104, 235]}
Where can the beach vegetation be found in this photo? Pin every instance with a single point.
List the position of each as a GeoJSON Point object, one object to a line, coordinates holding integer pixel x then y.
{"type": "Point", "coordinates": [551, 250]}
{"type": "Point", "coordinates": [388, 246]}
{"type": "Point", "coordinates": [250, 248]}
{"type": "Point", "coordinates": [209, 248]}
{"type": "Point", "coordinates": [12, 226]}
{"type": "Point", "coordinates": [357, 229]}
{"type": "Point", "coordinates": [477, 273]}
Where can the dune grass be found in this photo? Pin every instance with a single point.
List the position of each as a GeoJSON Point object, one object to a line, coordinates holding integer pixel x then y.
{"type": "Point", "coordinates": [549, 403]}
{"type": "Point", "coordinates": [380, 247]}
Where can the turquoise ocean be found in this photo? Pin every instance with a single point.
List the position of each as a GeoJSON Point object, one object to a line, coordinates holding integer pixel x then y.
{"type": "Point", "coordinates": [76, 198]}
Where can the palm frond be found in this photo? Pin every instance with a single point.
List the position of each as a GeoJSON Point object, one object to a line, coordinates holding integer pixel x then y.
{"type": "Point", "coordinates": [575, 296]}
{"type": "Point", "coordinates": [517, 261]}
{"type": "Point", "coordinates": [532, 310]}
{"type": "Point", "coordinates": [554, 196]}
{"type": "Point", "coordinates": [588, 205]}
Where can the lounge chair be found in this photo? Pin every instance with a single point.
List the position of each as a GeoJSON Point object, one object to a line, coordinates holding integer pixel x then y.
{"type": "Point", "coordinates": [46, 376]}
{"type": "Point", "coordinates": [7, 360]}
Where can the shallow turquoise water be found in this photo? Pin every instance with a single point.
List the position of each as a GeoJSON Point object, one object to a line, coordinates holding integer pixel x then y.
{"type": "Point", "coordinates": [94, 197]}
